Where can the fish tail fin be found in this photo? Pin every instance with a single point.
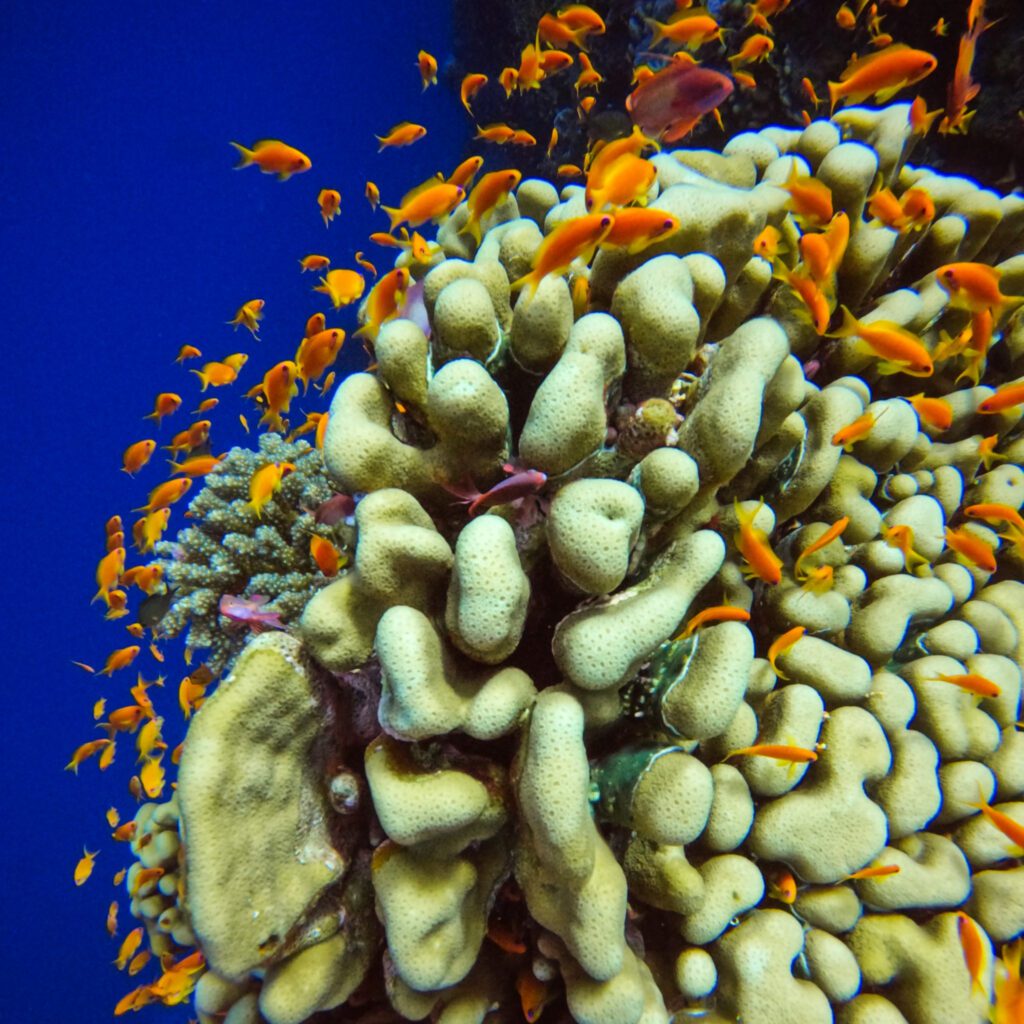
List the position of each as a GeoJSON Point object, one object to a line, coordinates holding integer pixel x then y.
{"type": "Point", "coordinates": [394, 215]}
{"type": "Point", "coordinates": [202, 376]}
{"type": "Point", "coordinates": [848, 328]}
{"type": "Point", "coordinates": [527, 284]}
{"type": "Point", "coordinates": [656, 29]}
{"type": "Point", "coordinates": [247, 156]}
{"type": "Point", "coordinates": [472, 227]}
{"type": "Point", "coordinates": [834, 95]}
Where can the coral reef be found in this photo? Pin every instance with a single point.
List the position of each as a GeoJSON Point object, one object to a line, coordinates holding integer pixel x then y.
{"type": "Point", "coordinates": [487, 770]}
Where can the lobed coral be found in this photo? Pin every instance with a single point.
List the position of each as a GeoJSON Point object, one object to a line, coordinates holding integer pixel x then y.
{"type": "Point", "coordinates": [486, 771]}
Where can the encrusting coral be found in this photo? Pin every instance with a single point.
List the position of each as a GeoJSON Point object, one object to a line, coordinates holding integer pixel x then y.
{"type": "Point", "coordinates": [488, 768]}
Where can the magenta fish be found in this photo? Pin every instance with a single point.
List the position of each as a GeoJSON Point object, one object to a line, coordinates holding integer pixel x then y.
{"type": "Point", "coordinates": [334, 509]}
{"type": "Point", "coordinates": [250, 610]}
{"type": "Point", "coordinates": [512, 488]}
{"type": "Point", "coordinates": [669, 104]}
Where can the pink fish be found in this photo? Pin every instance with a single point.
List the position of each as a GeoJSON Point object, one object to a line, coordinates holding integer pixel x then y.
{"type": "Point", "coordinates": [669, 104]}
{"type": "Point", "coordinates": [518, 485]}
{"type": "Point", "coordinates": [334, 509]}
{"type": "Point", "coordinates": [250, 610]}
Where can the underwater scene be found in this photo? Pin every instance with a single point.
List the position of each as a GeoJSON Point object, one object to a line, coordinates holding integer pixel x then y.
{"type": "Point", "coordinates": [540, 512]}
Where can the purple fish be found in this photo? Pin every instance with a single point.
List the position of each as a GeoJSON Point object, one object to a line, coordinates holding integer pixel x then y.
{"type": "Point", "coordinates": [334, 509]}
{"type": "Point", "coordinates": [250, 610]}
{"type": "Point", "coordinates": [518, 485]}
{"type": "Point", "coordinates": [669, 104]}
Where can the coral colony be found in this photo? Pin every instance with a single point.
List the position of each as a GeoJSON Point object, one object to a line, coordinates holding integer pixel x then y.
{"type": "Point", "coordinates": [639, 638]}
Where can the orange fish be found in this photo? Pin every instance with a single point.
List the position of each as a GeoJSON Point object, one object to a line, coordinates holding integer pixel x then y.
{"type": "Point", "coordinates": [196, 434]}
{"type": "Point", "coordinates": [125, 833]}
{"type": "Point", "coordinates": [165, 494]}
{"type": "Point", "coordinates": [995, 512]}
{"type": "Point", "coordinates": [580, 16]}
{"type": "Point", "coordinates": [568, 241]}
{"type": "Point", "coordinates": [187, 352]}
{"type": "Point", "coordinates": [808, 87]}
{"type": "Point", "coordinates": [131, 943]}
{"type": "Point", "coordinates": [718, 613]}
{"type": "Point", "coordinates": [1009, 396]}
{"type": "Point", "coordinates": [145, 577]}
{"type": "Point", "coordinates": [569, 171]}
{"type": "Point", "coordinates": [962, 88]}
{"type": "Point", "coordinates": [920, 117]}
{"type": "Point", "coordinates": [471, 85]}
{"type": "Point", "coordinates": [165, 404]}
{"type": "Point", "coordinates": [143, 878]}
{"type": "Point", "coordinates": [272, 156]}
{"type": "Point", "coordinates": [878, 871]}
{"type": "Point", "coordinates": [126, 719]}
{"type": "Point", "coordinates": [753, 544]}
{"type": "Point", "coordinates": [278, 389]}
{"type": "Point", "coordinates": [121, 658]}
{"type": "Point", "coordinates": [465, 172]}
{"type": "Point", "coordinates": [83, 869]}
{"type": "Point", "coordinates": [782, 885]}
{"type": "Point", "coordinates": [767, 244]}
{"type": "Point", "coordinates": [139, 961]}
{"type": "Point", "coordinates": [433, 203]}
{"type": "Point", "coordinates": [200, 465]}
{"type": "Point", "coordinates": [834, 531]}
{"type": "Point", "coordinates": [325, 554]}
{"type": "Point", "coordinates": [553, 61]}
{"type": "Point", "coordinates": [152, 528]}
{"type": "Point", "coordinates": [755, 49]}
{"type": "Point", "coordinates": [151, 776]}
{"type": "Point", "coordinates": [405, 133]}
{"type": "Point", "coordinates": [936, 412]}
{"type": "Point", "coordinates": [428, 69]}
{"type": "Point", "coordinates": [364, 263]}
{"type": "Point", "coordinates": [520, 137]}
{"type": "Point", "coordinates": [314, 262]}
{"type": "Point", "coordinates": [918, 208]}
{"type": "Point", "coordinates": [488, 192]}
{"type": "Point", "coordinates": [970, 681]}
{"type": "Point", "coordinates": [819, 580]}
{"type": "Point", "coordinates": [249, 315]}
{"type": "Point", "coordinates": [810, 200]}
{"type": "Point", "coordinates": [499, 133]}
{"type": "Point", "coordinates": [316, 354]}
{"type": "Point", "coordinates": [900, 351]}
{"type": "Point", "coordinates": [692, 29]}
{"type": "Point", "coordinates": [109, 568]}
{"type": "Point", "coordinates": [817, 306]}
{"type": "Point", "coordinates": [636, 228]}
{"type": "Point", "coordinates": [534, 994]}
{"type": "Point", "coordinates": [987, 450]}
{"type": "Point", "coordinates": [329, 201]}
{"type": "Point", "coordinates": [627, 180]}
{"type": "Point", "coordinates": [881, 74]}
{"type": "Point", "coordinates": [1010, 827]}
{"type": "Point", "coordinates": [846, 437]}
{"type": "Point", "coordinates": [782, 644]}
{"type": "Point", "coordinates": [112, 918]}
{"type": "Point", "coordinates": [342, 286]}
{"type": "Point", "coordinates": [1008, 1003]}
{"type": "Point", "coordinates": [553, 32]}
{"type": "Point", "coordinates": [383, 303]}
{"type": "Point", "coordinates": [507, 79]}
{"type": "Point", "coordinates": [846, 19]}
{"type": "Point", "coordinates": [971, 550]}
{"type": "Point", "coordinates": [776, 751]}
{"type": "Point", "coordinates": [901, 537]}
{"type": "Point", "coordinates": [84, 752]}
{"type": "Point", "coordinates": [219, 374]}
{"type": "Point", "coordinates": [974, 286]}
{"type": "Point", "coordinates": [265, 483]}
{"type": "Point", "coordinates": [975, 948]}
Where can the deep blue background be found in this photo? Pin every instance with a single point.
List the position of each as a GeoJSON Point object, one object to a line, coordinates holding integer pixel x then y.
{"type": "Point", "coordinates": [124, 233]}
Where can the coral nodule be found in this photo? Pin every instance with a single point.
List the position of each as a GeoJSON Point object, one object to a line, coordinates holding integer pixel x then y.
{"type": "Point", "coordinates": [486, 769]}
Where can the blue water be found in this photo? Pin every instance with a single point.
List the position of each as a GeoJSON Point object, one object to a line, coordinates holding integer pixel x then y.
{"type": "Point", "coordinates": [125, 233]}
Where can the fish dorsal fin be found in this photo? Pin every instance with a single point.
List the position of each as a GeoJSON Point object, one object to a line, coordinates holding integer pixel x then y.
{"type": "Point", "coordinates": [859, 63]}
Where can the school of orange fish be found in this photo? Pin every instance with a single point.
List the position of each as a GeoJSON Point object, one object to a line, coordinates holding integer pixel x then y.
{"type": "Point", "coordinates": [666, 104]}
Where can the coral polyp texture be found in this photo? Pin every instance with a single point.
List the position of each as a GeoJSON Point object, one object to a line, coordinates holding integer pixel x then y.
{"type": "Point", "coordinates": [489, 770]}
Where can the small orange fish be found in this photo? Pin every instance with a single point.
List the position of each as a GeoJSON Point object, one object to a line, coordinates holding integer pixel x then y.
{"type": "Point", "coordinates": [405, 133]}
{"type": "Point", "coordinates": [165, 494]}
{"type": "Point", "coordinates": [465, 172]}
{"type": "Point", "coordinates": [995, 512]}
{"type": "Point", "coordinates": [755, 49]}
{"type": "Point", "coordinates": [151, 775]}
{"type": "Point", "coordinates": [920, 117]}
{"type": "Point", "coordinates": [119, 876]}
{"type": "Point", "coordinates": [1009, 396]}
{"type": "Point", "coordinates": [936, 412]}
{"type": "Point", "coordinates": [521, 137]}
{"type": "Point", "coordinates": [744, 79]}
{"type": "Point", "coordinates": [249, 315]}
{"type": "Point", "coordinates": [776, 751]}
{"type": "Point", "coordinates": [265, 483]}
{"type": "Point", "coordinates": [112, 918]}
{"type": "Point", "coordinates": [918, 208]}
{"type": "Point", "coordinates": [638, 227]}
{"type": "Point", "coordinates": [626, 180]}
{"type": "Point", "coordinates": [819, 580]}
{"type": "Point", "coordinates": [846, 19]}
{"type": "Point", "coordinates": [846, 437]}
{"type": "Point", "coordinates": [152, 528]}
{"type": "Point", "coordinates": [817, 306]}
{"type": "Point", "coordinates": [187, 352]}
{"type": "Point", "coordinates": [197, 434]}
{"type": "Point", "coordinates": [987, 450]}
{"type": "Point", "coordinates": [881, 74]}
{"type": "Point", "coordinates": [166, 404]}
{"type": "Point", "coordinates": [342, 286]}
{"type": "Point", "coordinates": [329, 201]}
{"type": "Point", "coordinates": [568, 241]}
{"type": "Point", "coordinates": [427, 65]}
{"type": "Point", "coordinates": [553, 61]}
{"type": "Point", "coordinates": [499, 133]}
{"type": "Point", "coordinates": [782, 885]}
{"type": "Point", "coordinates": [129, 946]}
{"type": "Point", "coordinates": [326, 556]}
{"type": "Point", "coordinates": [768, 242]}
{"type": "Point", "coordinates": [314, 262]}
{"type": "Point", "coordinates": [145, 577]}
{"type": "Point", "coordinates": [139, 961]}
{"type": "Point", "coordinates": [718, 613]}
{"type": "Point", "coordinates": [489, 191]}
{"type": "Point", "coordinates": [108, 570]}
{"type": "Point", "coordinates": [143, 878]}
{"type": "Point", "coordinates": [834, 531]}
{"type": "Point", "coordinates": [974, 286]}
{"type": "Point", "coordinates": [970, 681]}
{"type": "Point", "coordinates": [810, 200]}
{"type": "Point", "coordinates": [219, 374]}
{"type": "Point", "coordinates": [975, 948]}
{"type": "Point", "coordinates": [901, 537]}
{"type": "Point", "coordinates": [589, 77]}
{"type": "Point", "coordinates": [84, 752]}
{"type": "Point", "coordinates": [534, 994]}
{"type": "Point", "coordinates": [272, 156]}
{"type": "Point", "coordinates": [782, 644]}
{"type": "Point", "coordinates": [83, 869]}
{"type": "Point", "coordinates": [1010, 827]}
{"type": "Point", "coordinates": [364, 263]}
{"type": "Point", "coordinates": [971, 550]}
{"type": "Point", "coordinates": [692, 29]}
{"type": "Point", "coordinates": [316, 354]}
{"type": "Point", "coordinates": [278, 388]}
{"type": "Point", "coordinates": [507, 79]}
{"type": "Point", "coordinates": [200, 465]}
{"type": "Point", "coordinates": [877, 871]}
{"type": "Point", "coordinates": [125, 833]}
{"type": "Point", "coordinates": [899, 349]}
{"type": "Point", "coordinates": [121, 658]}
{"type": "Point", "coordinates": [753, 544]}
{"type": "Point", "coordinates": [433, 203]}
{"type": "Point", "coordinates": [383, 303]}
{"type": "Point", "coordinates": [471, 85]}
{"type": "Point", "coordinates": [569, 171]}
{"type": "Point", "coordinates": [808, 87]}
